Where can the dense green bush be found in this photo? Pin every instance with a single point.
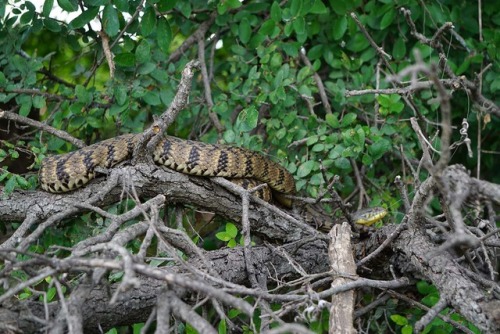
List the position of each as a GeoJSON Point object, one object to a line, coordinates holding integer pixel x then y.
{"type": "Point", "coordinates": [263, 90]}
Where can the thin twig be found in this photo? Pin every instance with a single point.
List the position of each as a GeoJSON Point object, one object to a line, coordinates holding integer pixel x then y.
{"type": "Point", "coordinates": [42, 126]}
{"type": "Point", "coordinates": [319, 82]}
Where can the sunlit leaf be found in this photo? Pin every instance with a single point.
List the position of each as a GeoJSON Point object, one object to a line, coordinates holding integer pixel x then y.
{"type": "Point", "coordinates": [110, 20]}
{"type": "Point", "coordinates": [148, 22]}
{"type": "Point", "coordinates": [84, 18]}
{"type": "Point", "coordinates": [68, 5]}
{"type": "Point", "coordinates": [164, 34]}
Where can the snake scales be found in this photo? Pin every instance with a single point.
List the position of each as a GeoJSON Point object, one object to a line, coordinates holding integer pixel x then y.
{"type": "Point", "coordinates": [66, 172]}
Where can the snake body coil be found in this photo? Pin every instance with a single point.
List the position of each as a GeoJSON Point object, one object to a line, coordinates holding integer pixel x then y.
{"type": "Point", "coordinates": [66, 172]}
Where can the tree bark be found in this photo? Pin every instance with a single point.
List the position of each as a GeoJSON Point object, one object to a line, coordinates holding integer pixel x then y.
{"type": "Point", "coordinates": [344, 270]}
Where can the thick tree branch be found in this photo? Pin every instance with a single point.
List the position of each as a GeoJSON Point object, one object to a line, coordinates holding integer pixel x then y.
{"type": "Point", "coordinates": [149, 181]}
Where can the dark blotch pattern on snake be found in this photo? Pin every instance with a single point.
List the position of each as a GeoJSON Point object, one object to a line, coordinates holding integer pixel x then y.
{"type": "Point", "coordinates": [66, 172]}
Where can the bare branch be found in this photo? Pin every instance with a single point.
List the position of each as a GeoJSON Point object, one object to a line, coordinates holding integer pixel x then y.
{"type": "Point", "coordinates": [42, 126]}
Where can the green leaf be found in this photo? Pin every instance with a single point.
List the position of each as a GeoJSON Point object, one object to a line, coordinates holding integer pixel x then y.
{"type": "Point", "coordinates": [276, 12]}
{"type": "Point", "coordinates": [304, 90]}
{"type": "Point", "coordinates": [348, 119]}
{"type": "Point", "coordinates": [291, 49]}
{"type": "Point", "coordinates": [47, 7]}
{"type": "Point", "coordinates": [312, 140]}
{"type": "Point", "coordinates": [95, 3]}
{"type": "Point", "coordinates": [318, 8]}
{"type": "Point", "coordinates": [233, 313]}
{"type": "Point", "coordinates": [125, 59]}
{"type": "Point", "coordinates": [366, 160]}
{"type": "Point", "coordinates": [288, 29]}
{"type": "Point", "coordinates": [164, 6]}
{"type": "Point", "coordinates": [68, 5]}
{"type": "Point", "coordinates": [3, 80]}
{"type": "Point", "coordinates": [296, 7]}
{"type": "Point", "coordinates": [164, 34]}
{"type": "Point", "coordinates": [316, 52]}
{"type": "Point", "coordinates": [110, 20]}
{"type": "Point", "coordinates": [358, 137]}
{"type": "Point", "coordinates": [120, 93]}
{"type": "Point", "coordinates": [39, 101]}
{"type": "Point", "coordinates": [84, 18]}
{"type": "Point", "coordinates": [318, 148]}
{"type": "Point", "coordinates": [387, 19]}
{"type": "Point", "coordinates": [94, 122]}
{"type": "Point", "coordinates": [303, 73]}
{"type": "Point", "coordinates": [14, 155]}
{"type": "Point", "coordinates": [339, 6]}
{"type": "Point", "coordinates": [238, 49]}
{"type": "Point", "coordinates": [276, 60]}
{"type": "Point", "coordinates": [10, 185]}
{"type": "Point", "coordinates": [278, 79]}
{"type": "Point", "coordinates": [399, 320]}
{"type": "Point", "coordinates": [399, 49]}
{"type": "Point", "coordinates": [152, 98]}
{"type": "Point", "coordinates": [26, 103]}
{"type": "Point", "coordinates": [116, 110]}
{"type": "Point", "coordinates": [425, 288]}
{"type": "Point", "coordinates": [24, 295]}
{"type": "Point", "coordinates": [357, 43]}
{"type": "Point", "coordinates": [143, 52]}
{"type": "Point", "coordinates": [407, 329]}
{"type": "Point", "coordinates": [299, 25]}
{"type": "Point", "coordinates": [267, 27]}
{"type": "Point", "coordinates": [332, 120]}
{"type": "Point", "coordinates": [464, 67]}
{"type": "Point", "coordinates": [51, 293]}
{"type": "Point", "coordinates": [390, 104]}
{"type": "Point", "coordinates": [244, 31]}
{"type": "Point", "coordinates": [339, 27]}
{"type": "Point", "coordinates": [222, 8]}
{"type": "Point", "coordinates": [231, 230]}
{"type": "Point", "coordinates": [147, 68]}
{"type": "Point", "coordinates": [222, 328]}
{"type": "Point", "coordinates": [430, 300]}
{"type": "Point", "coordinates": [384, 100]}
{"type": "Point", "coordinates": [379, 148]}
{"type": "Point", "coordinates": [148, 22]}
{"type": "Point", "coordinates": [233, 4]}
{"type": "Point", "coordinates": [185, 8]}
{"type": "Point", "coordinates": [76, 122]}
{"type": "Point", "coordinates": [342, 163]}
{"type": "Point", "coordinates": [83, 95]}
{"type": "Point", "coordinates": [122, 5]}
{"type": "Point", "coordinates": [229, 136]}
{"type": "Point", "coordinates": [223, 236]}
{"type": "Point", "coordinates": [5, 174]}
{"type": "Point", "coordinates": [306, 168]}
{"type": "Point", "coordinates": [254, 73]}
{"type": "Point", "coordinates": [51, 25]}
{"type": "Point", "coordinates": [247, 119]}
{"type": "Point", "coordinates": [281, 133]}
{"type": "Point", "coordinates": [138, 92]}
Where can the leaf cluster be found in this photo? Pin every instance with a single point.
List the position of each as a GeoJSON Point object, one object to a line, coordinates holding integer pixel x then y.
{"type": "Point", "coordinates": [264, 93]}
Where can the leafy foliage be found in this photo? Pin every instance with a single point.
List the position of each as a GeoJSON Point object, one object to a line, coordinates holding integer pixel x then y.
{"type": "Point", "coordinates": [264, 94]}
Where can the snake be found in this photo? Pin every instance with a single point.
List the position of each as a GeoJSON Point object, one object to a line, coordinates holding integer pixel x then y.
{"type": "Point", "coordinates": [66, 172]}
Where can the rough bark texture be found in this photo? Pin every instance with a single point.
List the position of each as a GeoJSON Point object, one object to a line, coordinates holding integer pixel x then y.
{"type": "Point", "coordinates": [344, 270]}
{"type": "Point", "coordinates": [459, 291]}
{"type": "Point", "coordinates": [303, 252]}
{"type": "Point", "coordinates": [135, 305]}
{"type": "Point", "coordinates": [148, 182]}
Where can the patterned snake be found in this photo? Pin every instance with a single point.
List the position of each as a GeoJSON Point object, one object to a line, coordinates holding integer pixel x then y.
{"type": "Point", "coordinates": [66, 172]}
